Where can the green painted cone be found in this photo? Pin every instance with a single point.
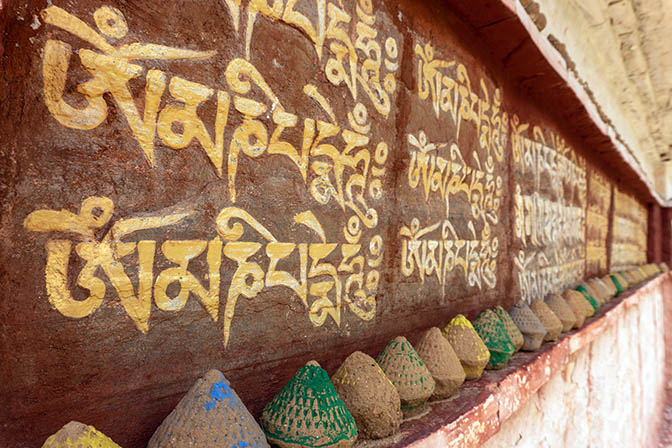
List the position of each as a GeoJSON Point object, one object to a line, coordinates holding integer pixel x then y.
{"type": "Point", "coordinates": [308, 412]}
{"type": "Point", "coordinates": [514, 333]}
{"type": "Point", "coordinates": [588, 297]}
{"type": "Point", "coordinates": [619, 288]}
{"type": "Point", "coordinates": [408, 374]}
{"type": "Point", "coordinates": [492, 332]}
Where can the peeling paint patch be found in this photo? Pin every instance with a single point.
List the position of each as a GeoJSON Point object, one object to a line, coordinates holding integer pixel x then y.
{"type": "Point", "coordinates": [36, 23]}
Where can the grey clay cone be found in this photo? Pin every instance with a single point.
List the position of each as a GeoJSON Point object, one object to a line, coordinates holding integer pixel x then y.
{"type": "Point", "coordinates": [514, 333]}
{"type": "Point", "coordinates": [528, 324]}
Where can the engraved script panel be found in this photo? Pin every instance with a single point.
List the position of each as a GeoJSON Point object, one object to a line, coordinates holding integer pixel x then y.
{"type": "Point", "coordinates": [451, 188]}
{"type": "Point", "coordinates": [597, 223]}
{"type": "Point", "coordinates": [629, 229]}
{"type": "Point", "coordinates": [549, 212]}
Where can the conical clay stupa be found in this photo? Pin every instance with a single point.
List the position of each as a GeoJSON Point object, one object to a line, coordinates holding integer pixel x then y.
{"type": "Point", "coordinates": [309, 413]}
{"type": "Point", "coordinates": [601, 287]}
{"type": "Point", "coordinates": [210, 415]}
{"type": "Point", "coordinates": [632, 277]}
{"type": "Point", "coordinates": [558, 305]}
{"type": "Point", "coordinates": [548, 319]}
{"type": "Point", "coordinates": [408, 374]}
{"type": "Point", "coordinates": [589, 297]}
{"type": "Point", "coordinates": [638, 275]}
{"type": "Point", "coordinates": [652, 270]}
{"type": "Point", "coordinates": [79, 435]}
{"type": "Point", "coordinates": [442, 362]}
{"type": "Point", "coordinates": [609, 283]}
{"type": "Point", "coordinates": [514, 333]}
{"type": "Point", "coordinates": [492, 332]}
{"type": "Point", "coordinates": [622, 280]}
{"type": "Point", "coordinates": [596, 292]}
{"type": "Point", "coordinates": [575, 296]}
{"type": "Point", "coordinates": [607, 287]}
{"type": "Point", "coordinates": [369, 396]}
{"type": "Point", "coordinates": [528, 324]}
{"type": "Point", "coordinates": [468, 346]}
{"type": "Point", "coordinates": [617, 284]}
{"type": "Point", "coordinates": [578, 306]}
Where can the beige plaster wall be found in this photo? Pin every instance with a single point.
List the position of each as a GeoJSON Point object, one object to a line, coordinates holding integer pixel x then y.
{"type": "Point", "coordinates": [609, 394]}
{"type": "Point", "coordinates": [619, 52]}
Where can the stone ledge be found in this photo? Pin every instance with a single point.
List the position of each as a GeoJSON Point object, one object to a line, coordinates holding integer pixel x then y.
{"type": "Point", "coordinates": [477, 411]}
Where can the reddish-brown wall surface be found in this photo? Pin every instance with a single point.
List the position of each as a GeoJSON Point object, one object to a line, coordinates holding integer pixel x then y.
{"type": "Point", "coordinates": [189, 185]}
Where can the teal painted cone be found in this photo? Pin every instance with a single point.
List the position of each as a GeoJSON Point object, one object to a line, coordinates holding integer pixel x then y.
{"type": "Point", "coordinates": [309, 412]}
{"type": "Point", "coordinates": [494, 335]}
{"type": "Point", "coordinates": [588, 297]}
{"type": "Point", "coordinates": [619, 287]}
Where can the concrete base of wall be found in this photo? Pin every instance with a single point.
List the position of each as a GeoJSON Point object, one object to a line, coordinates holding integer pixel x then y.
{"type": "Point", "coordinates": [603, 385]}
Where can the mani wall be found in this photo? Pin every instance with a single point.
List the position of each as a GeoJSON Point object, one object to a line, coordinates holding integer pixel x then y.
{"type": "Point", "coordinates": [248, 185]}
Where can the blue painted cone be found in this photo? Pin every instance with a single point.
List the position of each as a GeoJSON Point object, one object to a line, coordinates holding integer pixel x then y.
{"type": "Point", "coordinates": [210, 415]}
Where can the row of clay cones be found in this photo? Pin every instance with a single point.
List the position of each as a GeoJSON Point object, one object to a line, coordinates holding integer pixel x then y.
{"type": "Point", "coordinates": [365, 396]}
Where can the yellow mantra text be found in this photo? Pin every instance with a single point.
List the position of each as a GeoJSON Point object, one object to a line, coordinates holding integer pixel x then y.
{"type": "Point", "coordinates": [323, 287]}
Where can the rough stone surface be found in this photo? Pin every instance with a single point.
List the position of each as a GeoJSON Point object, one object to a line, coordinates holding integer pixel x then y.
{"type": "Point", "coordinates": [440, 359]}
{"type": "Point", "coordinates": [369, 395]}
{"type": "Point", "coordinates": [209, 415]}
